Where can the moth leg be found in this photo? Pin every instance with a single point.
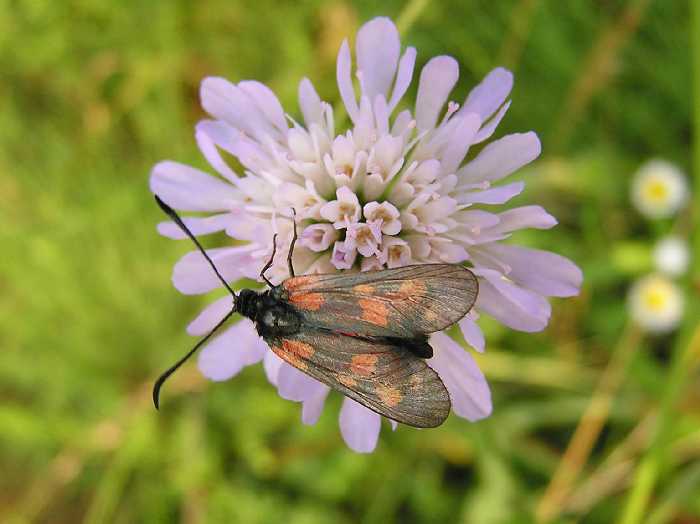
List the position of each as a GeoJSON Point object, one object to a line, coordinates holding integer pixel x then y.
{"type": "Point", "coordinates": [291, 246]}
{"type": "Point", "coordinates": [269, 262]}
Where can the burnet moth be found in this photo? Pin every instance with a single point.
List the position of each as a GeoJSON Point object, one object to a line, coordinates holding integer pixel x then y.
{"type": "Point", "coordinates": [362, 334]}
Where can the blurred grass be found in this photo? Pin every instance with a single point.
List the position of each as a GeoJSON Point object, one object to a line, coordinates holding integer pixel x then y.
{"type": "Point", "coordinates": [93, 93]}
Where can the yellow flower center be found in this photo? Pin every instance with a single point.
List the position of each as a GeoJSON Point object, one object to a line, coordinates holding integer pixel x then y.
{"type": "Point", "coordinates": [656, 298]}
{"type": "Point", "coordinates": [656, 190]}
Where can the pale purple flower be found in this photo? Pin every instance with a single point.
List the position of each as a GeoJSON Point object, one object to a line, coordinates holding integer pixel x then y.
{"type": "Point", "coordinates": [397, 188]}
{"type": "Point", "coordinates": [344, 210]}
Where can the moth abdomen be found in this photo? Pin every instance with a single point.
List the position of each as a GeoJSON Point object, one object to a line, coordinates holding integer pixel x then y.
{"type": "Point", "coordinates": [418, 346]}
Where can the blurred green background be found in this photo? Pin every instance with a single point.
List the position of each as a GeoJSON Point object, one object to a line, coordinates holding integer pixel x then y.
{"type": "Point", "coordinates": [93, 93]}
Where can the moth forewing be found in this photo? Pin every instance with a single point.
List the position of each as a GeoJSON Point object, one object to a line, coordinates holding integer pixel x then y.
{"type": "Point", "coordinates": [405, 302]}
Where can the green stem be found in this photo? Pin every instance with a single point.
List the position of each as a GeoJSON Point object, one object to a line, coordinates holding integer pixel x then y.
{"type": "Point", "coordinates": [681, 489]}
{"type": "Point", "coordinates": [656, 456]}
{"type": "Point", "coordinates": [589, 427]}
{"type": "Point", "coordinates": [654, 460]}
{"type": "Point", "coordinates": [410, 14]}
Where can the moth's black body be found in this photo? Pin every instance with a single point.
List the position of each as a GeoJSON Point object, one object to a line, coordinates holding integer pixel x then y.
{"type": "Point", "coordinates": [272, 316]}
{"type": "Point", "coordinates": [363, 334]}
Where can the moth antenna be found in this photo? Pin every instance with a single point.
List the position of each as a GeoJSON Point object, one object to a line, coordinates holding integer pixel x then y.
{"type": "Point", "coordinates": [269, 262]}
{"type": "Point", "coordinates": [176, 218]}
{"type": "Point", "coordinates": [161, 380]}
{"type": "Point", "coordinates": [291, 246]}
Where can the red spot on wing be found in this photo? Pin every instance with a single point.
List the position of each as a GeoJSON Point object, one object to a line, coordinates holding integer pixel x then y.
{"type": "Point", "coordinates": [411, 288]}
{"type": "Point", "coordinates": [388, 395]}
{"type": "Point", "coordinates": [363, 365]}
{"type": "Point", "coordinates": [308, 301]}
{"type": "Point", "coordinates": [406, 290]}
{"type": "Point", "coordinates": [374, 311]}
{"type": "Point", "coordinates": [305, 281]}
{"type": "Point", "coordinates": [297, 347]}
{"type": "Point", "coordinates": [364, 289]}
{"type": "Point", "coordinates": [295, 352]}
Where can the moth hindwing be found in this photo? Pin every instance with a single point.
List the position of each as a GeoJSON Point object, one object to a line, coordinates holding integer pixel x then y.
{"type": "Point", "coordinates": [381, 375]}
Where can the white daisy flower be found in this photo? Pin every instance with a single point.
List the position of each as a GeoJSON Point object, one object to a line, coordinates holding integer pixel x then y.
{"type": "Point", "coordinates": [671, 256]}
{"type": "Point", "coordinates": [659, 189]}
{"type": "Point", "coordinates": [656, 303]}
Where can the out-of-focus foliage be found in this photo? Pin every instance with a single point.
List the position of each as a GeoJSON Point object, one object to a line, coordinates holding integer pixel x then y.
{"type": "Point", "coordinates": [93, 93]}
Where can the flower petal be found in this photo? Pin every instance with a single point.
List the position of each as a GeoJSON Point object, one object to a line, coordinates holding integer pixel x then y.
{"type": "Point", "coordinates": [452, 253]}
{"type": "Point", "coordinates": [359, 426]}
{"type": "Point", "coordinates": [381, 115]}
{"type": "Point", "coordinates": [267, 103]}
{"type": "Point", "coordinates": [220, 99]}
{"type": "Point", "coordinates": [228, 353]}
{"type": "Point", "coordinates": [272, 364]}
{"type": "Point", "coordinates": [510, 304]}
{"type": "Point", "coordinates": [496, 195]}
{"type": "Point", "coordinates": [208, 146]}
{"type": "Point", "coordinates": [468, 389]}
{"type": "Point", "coordinates": [193, 275]}
{"type": "Point", "coordinates": [239, 107]}
{"type": "Point", "coordinates": [310, 103]}
{"type": "Point", "coordinates": [437, 79]}
{"type": "Point", "coordinates": [501, 158]}
{"type": "Point", "coordinates": [403, 77]}
{"type": "Point", "coordinates": [525, 217]}
{"type": "Point", "coordinates": [377, 49]}
{"type": "Point", "coordinates": [459, 143]}
{"type": "Point", "coordinates": [246, 226]}
{"type": "Point", "coordinates": [488, 96]}
{"type": "Point", "coordinates": [184, 187]}
{"type": "Point", "coordinates": [488, 129]}
{"type": "Point", "coordinates": [211, 133]}
{"type": "Point", "coordinates": [198, 226]}
{"type": "Point", "coordinates": [295, 385]}
{"type": "Point", "coordinates": [403, 123]}
{"type": "Point", "coordinates": [210, 316]}
{"type": "Point", "coordinates": [313, 406]}
{"type": "Point", "coordinates": [472, 333]}
{"type": "Point", "coordinates": [543, 272]}
{"type": "Point", "coordinates": [344, 78]}
{"type": "Point", "coordinates": [318, 237]}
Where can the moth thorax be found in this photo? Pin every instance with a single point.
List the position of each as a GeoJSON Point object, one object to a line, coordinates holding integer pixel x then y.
{"type": "Point", "coordinates": [278, 320]}
{"type": "Point", "coordinates": [247, 303]}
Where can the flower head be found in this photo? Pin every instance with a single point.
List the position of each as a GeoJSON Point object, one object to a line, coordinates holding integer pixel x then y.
{"type": "Point", "coordinates": [671, 256]}
{"type": "Point", "coordinates": [396, 188]}
{"type": "Point", "coordinates": [656, 303]}
{"type": "Point", "coordinates": [659, 189]}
